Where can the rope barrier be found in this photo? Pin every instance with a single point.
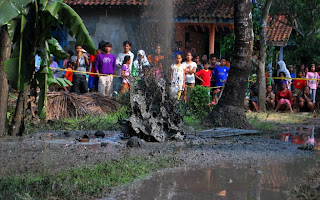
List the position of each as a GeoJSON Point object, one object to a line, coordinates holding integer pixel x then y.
{"type": "Point", "coordinates": [60, 69]}
{"type": "Point", "coordinates": [189, 86]}
{"type": "Point", "coordinates": [306, 79]}
{"type": "Point", "coordinates": [82, 72]}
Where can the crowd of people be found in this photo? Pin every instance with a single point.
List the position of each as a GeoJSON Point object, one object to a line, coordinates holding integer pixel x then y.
{"type": "Point", "coordinates": [290, 91]}
{"type": "Point", "coordinates": [109, 75]}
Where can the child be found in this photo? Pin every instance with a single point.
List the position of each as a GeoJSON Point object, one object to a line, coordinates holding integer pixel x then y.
{"type": "Point", "coordinates": [298, 85]}
{"type": "Point", "coordinates": [178, 75]}
{"type": "Point", "coordinates": [305, 100]}
{"type": "Point", "coordinates": [204, 75]}
{"type": "Point", "coordinates": [125, 73]}
{"type": "Point", "coordinates": [191, 68]}
{"type": "Point", "coordinates": [279, 81]}
{"type": "Point", "coordinates": [253, 101]}
{"type": "Point", "coordinates": [105, 63]}
{"type": "Point", "coordinates": [270, 98]}
{"type": "Point", "coordinates": [68, 74]}
{"type": "Point", "coordinates": [220, 73]}
{"type": "Point", "coordinates": [306, 70]}
{"type": "Point", "coordinates": [302, 69]}
{"type": "Point", "coordinates": [93, 81]}
{"type": "Point", "coordinates": [318, 97]}
{"type": "Point", "coordinates": [292, 74]}
{"type": "Point", "coordinates": [313, 83]}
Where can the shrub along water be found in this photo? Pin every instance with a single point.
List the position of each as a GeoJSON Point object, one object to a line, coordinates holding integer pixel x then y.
{"type": "Point", "coordinates": [199, 100]}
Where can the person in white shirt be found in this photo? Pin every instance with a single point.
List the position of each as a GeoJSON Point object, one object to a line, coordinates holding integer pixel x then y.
{"type": "Point", "coordinates": [118, 80]}
{"type": "Point", "coordinates": [190, 70]}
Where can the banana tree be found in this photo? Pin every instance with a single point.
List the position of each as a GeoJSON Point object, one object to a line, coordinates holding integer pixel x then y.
{"type": "Point", "coordinates": [29, 23]}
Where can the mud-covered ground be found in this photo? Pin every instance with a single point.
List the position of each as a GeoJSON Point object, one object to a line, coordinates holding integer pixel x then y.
{"type": "Point", "coordinates": [53, 151]}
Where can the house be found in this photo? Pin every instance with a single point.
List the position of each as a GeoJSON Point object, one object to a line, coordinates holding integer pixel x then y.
{"type": "Point", "coordinates": [203, 24]}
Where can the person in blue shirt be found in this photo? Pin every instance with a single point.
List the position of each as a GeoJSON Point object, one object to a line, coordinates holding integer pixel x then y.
{"type": "Point", "coordinates": [220, 73]}
{"type": "Point", "coordinates": [177, 51]}
{"type": "Point", "coordinates": [291, 70]}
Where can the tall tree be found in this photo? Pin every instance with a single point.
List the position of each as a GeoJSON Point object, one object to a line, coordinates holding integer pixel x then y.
{"type": "Point", "coordinates": [5, 51]}
{"type": "Point", "coordinates": [304, 17]}
{"type": "Point", "coordinates": [262, 56]}
{"type": "Point", "coordinates": [230, 111]}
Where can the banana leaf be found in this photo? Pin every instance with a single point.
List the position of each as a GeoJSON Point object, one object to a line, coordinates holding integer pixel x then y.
{"type": "Point", "coordinates": [10, 9]}
{"type": "Point", "coordinates": [13, 30]}
{"type": "Point", "coordinates": [69, 18]}
{"type": "Point", "coordinates": [11, 70]}
{"type": "Point", "coordinates": [56, 49]}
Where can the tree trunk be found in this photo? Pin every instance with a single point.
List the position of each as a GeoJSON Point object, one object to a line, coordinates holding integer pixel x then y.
{"type": "Point", "coordinates": [230, 109]}
{"type": "Point", "coordinates": [262, 57]}
{"type": "Point", "coordinates": [5, 51]}
{"type": "Point", "coordinates": [17, 126]}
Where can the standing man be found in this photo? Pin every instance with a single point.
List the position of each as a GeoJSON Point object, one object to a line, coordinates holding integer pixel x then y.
{"type": "Point", "coordinates": [80, 63]}
{"type": "Point", "coordinates": [118, 80]}
{"type": "Point", "coordinates": [105, 63]}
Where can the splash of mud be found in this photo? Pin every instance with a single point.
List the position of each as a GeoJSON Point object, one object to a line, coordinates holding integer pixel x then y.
{"type": "Point", "coordinates": [155, 116]}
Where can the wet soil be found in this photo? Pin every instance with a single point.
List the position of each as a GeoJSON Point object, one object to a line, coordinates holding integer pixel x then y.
{"type": "Point", "coordinates": [245, 154]}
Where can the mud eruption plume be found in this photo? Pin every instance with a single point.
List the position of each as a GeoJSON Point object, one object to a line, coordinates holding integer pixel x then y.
{"type": "Point", "coordinates": [155, 116]}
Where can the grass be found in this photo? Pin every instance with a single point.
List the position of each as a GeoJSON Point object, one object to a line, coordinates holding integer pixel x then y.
{"type": "Point", "coordinates": [104, 122]}
{"type": "Point", "coordinates": [264, 126]}
{"type": "Point", "coordinates": [281, 118]}
{"type": "Point", "coordinates": [81, 183]}
{"type": "Point", "coordinates": [269, 121]}
{"type": "Point", "coordinates": [193, 121]}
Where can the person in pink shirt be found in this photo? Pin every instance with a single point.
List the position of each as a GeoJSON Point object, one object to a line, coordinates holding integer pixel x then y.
{"type": "Point", "coordinates": [313, 83]}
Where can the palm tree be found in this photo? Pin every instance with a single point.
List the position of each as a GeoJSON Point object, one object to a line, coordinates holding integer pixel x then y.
{"type": "Point", "coordinates": [230, 111]}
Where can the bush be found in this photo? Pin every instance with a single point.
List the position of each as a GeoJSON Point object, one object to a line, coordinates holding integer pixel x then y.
{"type": "Point", "coordinates": [199, 100]}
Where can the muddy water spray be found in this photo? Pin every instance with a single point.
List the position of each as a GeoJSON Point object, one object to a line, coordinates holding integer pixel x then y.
{"type": "Point", "coordinates": [155, 117]}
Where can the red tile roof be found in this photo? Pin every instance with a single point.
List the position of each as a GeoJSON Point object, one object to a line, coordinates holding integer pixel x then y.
{"type": "Point", "coordinates": [278, 29]}
{"type": "Point", "coordinates": [204, 9]}
{"type": "Point", "coordinates": [107, 2]}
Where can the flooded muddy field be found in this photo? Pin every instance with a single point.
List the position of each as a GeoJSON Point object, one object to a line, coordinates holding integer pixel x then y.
{"type": "Point", "coordinates": [218, 163]}
{"type": "Point", "coordinates": [266, 181]}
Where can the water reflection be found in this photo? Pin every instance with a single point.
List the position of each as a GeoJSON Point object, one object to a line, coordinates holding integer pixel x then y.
{"type": "Point", "coordinates": [265, 182]}
{"type": "Point", "coordinates": [301, 136]}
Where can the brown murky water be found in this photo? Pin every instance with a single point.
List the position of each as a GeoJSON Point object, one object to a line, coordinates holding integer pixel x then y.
{"type": "Point", "coordinates": [267, 181]}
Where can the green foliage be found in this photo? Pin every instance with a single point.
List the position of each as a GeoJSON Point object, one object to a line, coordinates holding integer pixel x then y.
{"type": "Point", "coordinates": [193, 121]}
{"type": "Point", "coordinates": [64, 14]}
{"type": "Point", "coordinates": [83, 182]}
{"type": "Point", "coordinates": [8, 115]}
{"type": "Point", "coordinates": [304, 42]}
{"type": "Point", "coordinates": [229, 44]}
{"type": "Point", "coordinates": [199, 100]}
{"type": "Point", "coordinates": [29, 25]}
{"type": "Point", "coordinates": [103, 122]}
{"type": "Point", "coordinates": [11, 9]}
{"type": "Point", "coordinates": [262, 125]}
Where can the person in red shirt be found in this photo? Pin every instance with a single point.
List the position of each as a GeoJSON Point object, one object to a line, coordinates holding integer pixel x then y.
{"type": "Point", "coordinates": [298, 85]}
{"type": "Point", "coordinates": [204, 75]}
{"type": "Point", "coordinates": [93, 78]}
{"type": "Point", "coordinates": [284, 98]}
{"type": "Point", "coordinates": [68, 74]}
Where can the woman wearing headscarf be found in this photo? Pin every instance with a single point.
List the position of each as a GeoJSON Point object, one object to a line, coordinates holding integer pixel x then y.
{"type": "Point", "coordinates": [140, 62]}
{"type": "Point", "coordinates": [283, 68]}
